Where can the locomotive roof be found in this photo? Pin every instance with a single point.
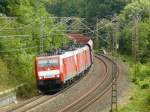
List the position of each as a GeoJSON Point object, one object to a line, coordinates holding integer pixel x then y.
{"type": "Point", "coordinates": [49, 55]}
{"type": "Point", "coordinates": [79, 38]}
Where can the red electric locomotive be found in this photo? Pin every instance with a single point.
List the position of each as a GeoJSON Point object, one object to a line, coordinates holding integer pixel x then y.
{"type": "Point", "coordinates": [55, 70]}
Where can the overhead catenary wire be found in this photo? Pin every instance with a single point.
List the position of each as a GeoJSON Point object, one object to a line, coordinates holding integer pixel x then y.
{"type": "Point", "coordinates": [5, 17]}
{"type": "Point", "coordinates": [9, 36]}
{"type": "Point", "coordinates": [52, 30]}
{"type": "Point", "coordinates": [19, 49]}
{"type": "Point", "coordinates": [87, 27]}
{"type": "Point", "coordinates": [64, 31]}
{"type": "Point", "coordinates": [21, 27]}
{"type": "Point", "coordinates": [66, 34]}
{"type": "Point", "coordinates": [56, 26]}
{"type": "Point", "coordinates": [4, 26]}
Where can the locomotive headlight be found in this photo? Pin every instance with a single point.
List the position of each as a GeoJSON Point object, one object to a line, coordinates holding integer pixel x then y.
{"type": "Point", "coordinates": [41, 77]}
{"type": "Point", "coordinates": [57, 75]}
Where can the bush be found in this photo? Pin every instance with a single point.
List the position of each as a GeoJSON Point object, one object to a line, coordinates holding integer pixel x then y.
{"type": "Point", "coordinates": [145, 84]}
{"type": "Point", "coordinates": [26, 91]}
{"type": "Point", "coordinates": [140, 74]}
{"type": "Point", "coordinates": [20, 69]}
{"type": "Point", "coordinates": [4, 75]}
{"type": "Point", "coordinates": [148, 99]}
{"type": "Point", "coordinates": [3, 71]}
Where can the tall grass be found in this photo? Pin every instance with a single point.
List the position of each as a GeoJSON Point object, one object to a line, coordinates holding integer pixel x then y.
{"type": "Point", "coordinates": [140, 77]}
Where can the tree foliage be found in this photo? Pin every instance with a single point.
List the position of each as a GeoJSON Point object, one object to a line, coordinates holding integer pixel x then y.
{"type": "Point", "coordinates": [30, 25]}
{"type": "Point", "coordinates": [90, 9]}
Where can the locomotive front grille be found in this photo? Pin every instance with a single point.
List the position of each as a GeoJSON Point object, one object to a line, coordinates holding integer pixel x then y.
{"type": "Point", "coordinates": [47, 85]}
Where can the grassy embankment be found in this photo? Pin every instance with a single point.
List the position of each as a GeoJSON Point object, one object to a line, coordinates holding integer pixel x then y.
{"type": "Point", "coordinates": [140, 77]}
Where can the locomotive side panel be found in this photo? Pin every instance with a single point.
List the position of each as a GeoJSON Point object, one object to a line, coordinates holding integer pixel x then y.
{"type": "Point", "coordinates": [76, 63]}
{"type": "Point", "coordinates": [88, 58]}
{"type": "Point", "coordinates": [69, 67]}
{"type": "Point", "coordinates": [82, 64]}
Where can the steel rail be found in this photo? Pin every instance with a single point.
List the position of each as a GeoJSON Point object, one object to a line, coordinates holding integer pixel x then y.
{"type": "Point", "coordinates": [83, 102]}
{"type": "Point", "coordinates": [96, 98]}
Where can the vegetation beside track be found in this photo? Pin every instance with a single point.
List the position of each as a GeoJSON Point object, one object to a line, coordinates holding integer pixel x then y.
{"type": "Point", "coordinates": [140, 67]}
{"type": "Point", "coordinates": [17, 53]}
{"type": "Point", "coordinates": [139, 102]}
{"type": "Point", "coordinates": [140, 77]}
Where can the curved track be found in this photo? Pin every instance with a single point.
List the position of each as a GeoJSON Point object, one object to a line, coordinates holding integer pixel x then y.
{"type": "Point", "coordinates": [95, 93]}
{"type": "Point", "coordinates": [80, 104]}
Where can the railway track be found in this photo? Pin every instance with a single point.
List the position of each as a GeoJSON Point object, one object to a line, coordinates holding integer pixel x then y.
{"type": "Point", "coordinates": [78, 105]}
{"type": "Point", "coordinates": [94, 94]}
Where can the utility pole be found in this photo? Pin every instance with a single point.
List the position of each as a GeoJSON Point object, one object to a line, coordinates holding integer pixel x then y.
{"type": "Point", "coordinates": [42, 24]}
{"type": "Point", "coordinates": [135, 40]}
{"type": "Point", "coordinates": [97, 35]}
{"type": "Point", "coordinates": [114, 99]}
{"type": "Point", "coordinates": [135, 37]}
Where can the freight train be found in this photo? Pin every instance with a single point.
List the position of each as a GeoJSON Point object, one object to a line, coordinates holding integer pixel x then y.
{"type": "Point", "coordinates": [59, 68]}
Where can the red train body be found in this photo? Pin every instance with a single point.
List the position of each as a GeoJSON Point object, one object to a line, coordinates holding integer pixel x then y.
{"type": "Point", "coordinates": [56, 70]}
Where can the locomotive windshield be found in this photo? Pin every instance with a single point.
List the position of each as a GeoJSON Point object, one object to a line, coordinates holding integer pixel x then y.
{"type": "Point", "coordinates": [48, 62]}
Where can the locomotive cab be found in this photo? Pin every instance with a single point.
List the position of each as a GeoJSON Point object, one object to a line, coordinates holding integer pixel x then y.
{"type": "Point", "coordinates": [48, 73]}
